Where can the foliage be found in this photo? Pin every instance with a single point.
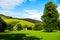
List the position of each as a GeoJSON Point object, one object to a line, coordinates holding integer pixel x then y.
{"type": "Point", "coordinates": [39, 26]}
{"type": "Point", "coordinates": [50, 16]}
{"type": "Point", "coordinates": [3, 25]}
{"type": "Point", "coordinates": [11, 25]}
{"type": "Point", "coordinates": [19, 27]}
{"type": "Point", "coordinates": [58, 25]}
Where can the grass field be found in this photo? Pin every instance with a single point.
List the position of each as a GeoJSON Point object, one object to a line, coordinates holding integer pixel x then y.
{"type": "Point", "coordinates": [30, 35]}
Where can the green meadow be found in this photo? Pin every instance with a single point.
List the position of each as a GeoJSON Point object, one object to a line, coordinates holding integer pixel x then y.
{"type": "Point", "coordinates": [29, 35]}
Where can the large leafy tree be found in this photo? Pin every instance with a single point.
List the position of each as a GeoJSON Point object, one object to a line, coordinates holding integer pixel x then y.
{"type": "Point", "coordinates": [50, 16]}
{"type": "Point", "coordinates": [3, 25]}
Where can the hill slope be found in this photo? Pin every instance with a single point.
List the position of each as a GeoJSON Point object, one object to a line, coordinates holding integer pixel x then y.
{"type": "Point", "coordinates": [8, 19]}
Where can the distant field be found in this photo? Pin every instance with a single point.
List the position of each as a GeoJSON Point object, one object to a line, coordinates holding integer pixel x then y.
{"type": "Point", "coordinates": [19, 35]}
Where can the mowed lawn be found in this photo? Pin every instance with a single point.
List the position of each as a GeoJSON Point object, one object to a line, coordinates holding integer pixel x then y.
{"type": "Point", "coordinates": [30, 35]}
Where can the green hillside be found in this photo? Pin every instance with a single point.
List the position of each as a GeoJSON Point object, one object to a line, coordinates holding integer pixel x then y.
{"type": "Point", "coordinates": [8, 19]}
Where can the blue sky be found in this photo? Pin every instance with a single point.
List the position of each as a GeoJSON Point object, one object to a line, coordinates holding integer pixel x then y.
{"type": "Point", "coordinates": [25, 8]}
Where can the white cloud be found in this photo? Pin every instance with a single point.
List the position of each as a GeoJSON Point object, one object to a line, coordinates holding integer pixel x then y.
{"type": "Point", "coordinates": [58, 8]}
{"type": "Point", "coordinates": [10, 4]}
{"type": "Point", "coordinates": [34, 14]}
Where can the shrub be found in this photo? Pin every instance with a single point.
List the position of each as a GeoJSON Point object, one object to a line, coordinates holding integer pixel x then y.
{"type": "Point", "coordinates": [19, 27]}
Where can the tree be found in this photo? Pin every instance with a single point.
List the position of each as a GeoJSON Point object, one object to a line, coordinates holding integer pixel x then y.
{"type": "Point", "coordinates": [39, 26]}
{"type": "Point", "coordinates": [50, 16]}
{"type": "Point", "coordinates": [3, 25]}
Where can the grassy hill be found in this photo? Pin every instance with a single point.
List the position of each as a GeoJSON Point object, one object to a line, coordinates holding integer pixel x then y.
{"type": "Point", "coordinates": [8, 19]}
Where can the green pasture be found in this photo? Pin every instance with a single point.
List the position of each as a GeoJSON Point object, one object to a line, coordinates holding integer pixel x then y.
{"type": "Point", "coordinates": [30, 35]}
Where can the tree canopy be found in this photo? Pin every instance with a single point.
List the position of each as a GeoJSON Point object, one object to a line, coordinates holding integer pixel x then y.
{"type": "Point", "coordinates": [50, 16]}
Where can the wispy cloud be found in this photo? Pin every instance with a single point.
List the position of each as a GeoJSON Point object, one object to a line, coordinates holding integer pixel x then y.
{"type": "Point", "coordinates": [34, 14]}
{"type": "Point", "coordinates": [10, 4]}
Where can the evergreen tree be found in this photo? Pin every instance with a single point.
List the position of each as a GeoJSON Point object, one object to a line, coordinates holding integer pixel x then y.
{"type": "Point", "coordinates": [50, 16]}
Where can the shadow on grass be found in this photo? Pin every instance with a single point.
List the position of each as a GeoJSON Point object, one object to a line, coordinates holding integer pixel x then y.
{"type": "Point", "coordinates": [50, 31]}
{"type": "Point", "coordinates": [33, 38]}
{"type": "Point", "coordinates": [17, 37]}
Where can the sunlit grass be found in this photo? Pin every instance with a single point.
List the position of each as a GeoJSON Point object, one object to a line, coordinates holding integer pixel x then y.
{"type": "Point", "coordinates": [39, 34]}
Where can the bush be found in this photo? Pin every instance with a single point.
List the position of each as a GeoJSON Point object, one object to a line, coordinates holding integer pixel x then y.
{"type": "Point", "coordinates": [19, 27]}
